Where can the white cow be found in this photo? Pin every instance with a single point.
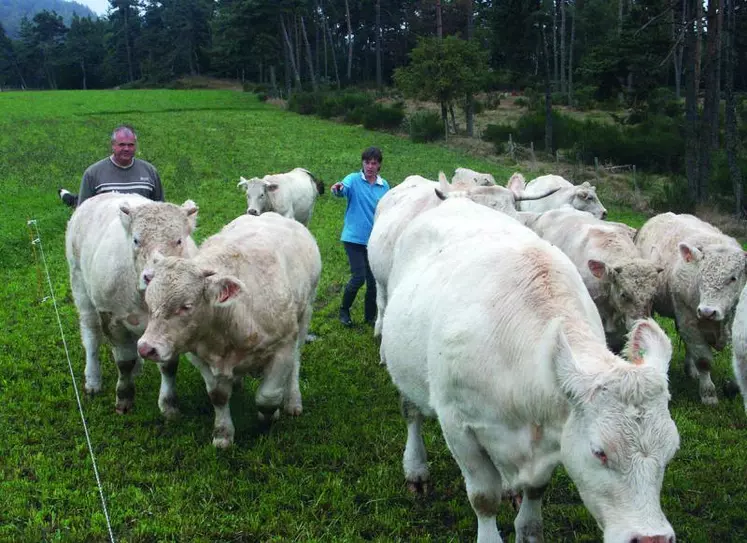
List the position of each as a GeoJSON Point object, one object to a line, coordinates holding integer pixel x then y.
{"type": "Point", "coordinates": [621, 282]}
{"type": "Point", "coordinates": [739, 345]}
{"type": "Point", "coordinates": [109, 241]}
{"type": "Point", "coordinates": [407, 200]}
{"type": "Point", "coordinates": [704, 272]}
{"type": "Point", "coordinates": [467, 177]}
{"type": "Point", "coordinates": [291, 194]}
{"type": "Point", "coordinates": [242, 304]}
{"type": "Point", "coordinates": [490, 329]}
{"type": "Point", "coordinates": [582, 197]}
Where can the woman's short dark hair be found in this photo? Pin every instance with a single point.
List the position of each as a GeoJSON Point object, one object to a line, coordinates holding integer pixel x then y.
{"type": "Point", "coordinates": [372, 153]}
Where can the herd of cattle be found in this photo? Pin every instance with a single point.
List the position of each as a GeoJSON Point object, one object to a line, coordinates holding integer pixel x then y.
{"type": "Point", "coordinates": [516, 315]}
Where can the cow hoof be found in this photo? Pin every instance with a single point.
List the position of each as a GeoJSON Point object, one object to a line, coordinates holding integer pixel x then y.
{"type": "Point", "coordinates": [265, 419]}
{"type": "Point", "coordinates": [170, 412]}
{"type": "Point", "coordinates": [123, 407]}
{"type": "Point", "coordinates": [222, 443]}
{"type": "Point", "coordinates": [92, 390]}
{"type": "Point", "coordinates": [294, 410]}
{"type": "Point", "coordinates": [420, 488]}
{"type": "Point", "coordinates": [731, 389]}
{"type": "Point", "coordinates": [709, 400]}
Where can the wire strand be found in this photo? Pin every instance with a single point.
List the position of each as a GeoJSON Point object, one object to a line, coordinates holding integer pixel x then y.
{"type": "Point", "coordinates": [36, 242]}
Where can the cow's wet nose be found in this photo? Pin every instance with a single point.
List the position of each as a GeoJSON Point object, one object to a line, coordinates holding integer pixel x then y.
{"type": "Point", "coordinates": [709, 313]}
{"type": "Point", "coordinates": [653, 539]}
{"type": "Point", "coordinates": [147, 351]}
{"type": "Point", "coordinates": [252, 212]}
{"type": "Point", "coordinates": [604, 214]}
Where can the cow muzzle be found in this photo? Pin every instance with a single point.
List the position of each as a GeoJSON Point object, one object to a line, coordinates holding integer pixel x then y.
{"type": "Point", "coordinates": [709, 313]}
{"type": "Point", "coordinates": [253, 212]}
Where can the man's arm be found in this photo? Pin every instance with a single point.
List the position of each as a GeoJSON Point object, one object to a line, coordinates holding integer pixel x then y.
{"type": "Point", "coordinates": [158, 195]}
{"type": "Point", "coordinates": [86, 187]}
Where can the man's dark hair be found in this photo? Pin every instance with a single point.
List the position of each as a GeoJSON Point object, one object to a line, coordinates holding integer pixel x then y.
{"type": "Point", "coordinates": [372, 153]}
{"type": "Point", "coordinates": [123, 128]}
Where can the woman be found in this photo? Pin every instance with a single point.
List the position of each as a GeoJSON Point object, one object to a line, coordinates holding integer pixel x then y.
{"type": "Point", "coordinates": [363, 189]}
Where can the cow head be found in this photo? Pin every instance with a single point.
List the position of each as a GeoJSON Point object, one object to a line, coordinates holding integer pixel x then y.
{"type": "Point", "coordinates": [258, 195]}
{"type": "Point", "coordinates": [719, 272]}
{"type": "Point", "coordinates": [181, 297]}
{"type": "Point", "coordinates": [630, 287]}
{"type": "Point", "coordinates": [158, 227]}
{"type": "Point", "coordinates": [585, 199]}
{"type": "Point", "coordinates": [619, 435]}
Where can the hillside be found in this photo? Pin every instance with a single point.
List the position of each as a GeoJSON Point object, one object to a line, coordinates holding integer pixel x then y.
{"type": "Point", "coordinates": [12, 11]}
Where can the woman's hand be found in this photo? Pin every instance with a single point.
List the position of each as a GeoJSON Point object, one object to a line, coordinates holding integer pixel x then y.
{"type": "Point", "coordinates": [336, 188]}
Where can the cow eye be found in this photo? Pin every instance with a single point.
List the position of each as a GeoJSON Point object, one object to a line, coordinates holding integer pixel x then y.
{"type": "Point", "coordinates": [733, 279]}
{"type": "Point", "coordinates": [600, 455]}
{"type": "Point", "coordinates": [178, 242]}
{"type": "Point", "coordinates": [183, 310]}
{"type": "Point", "coordinates": [136, 242]}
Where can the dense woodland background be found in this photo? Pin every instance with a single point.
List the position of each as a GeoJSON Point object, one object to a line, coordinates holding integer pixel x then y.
{"type": "Point", "coordinates": [677, 67]}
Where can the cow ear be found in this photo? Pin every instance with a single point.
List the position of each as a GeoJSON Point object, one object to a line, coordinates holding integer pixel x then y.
{"type": "Point", "coordinates": [272, 187]}
{"type": "Point", "coordinates": [583, 193]}
{"type": "Point", "coordinates": [125, 215]}
{"type": "Point", "coordinates": [648, 344]}
{"type": "Point", "coordinates": [689, 253]}
{"type": "Point", "coordinates": [443, 183]}
{"type": "Point", "coordinates": [191, 208]}
{"type": "Point", "coordinates": [224, 290]}
{"type": "Point", "coordinates": [243, 184]}
{"type": "Point", "coordinates": [441, 195]}
{"type": "Point", "coordinates": [597, 268]}
{"type": "Point", "coordinates": [516, 184]}
{"type": "Point", "coordinates": [574, 381]}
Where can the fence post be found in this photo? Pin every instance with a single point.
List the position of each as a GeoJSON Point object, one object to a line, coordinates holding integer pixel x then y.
{"type": "Point", "coordinates": [635, 183]}
{"type": "Point", "coordinates": [596, 168]}
{"type": "Point", "coordinates": [532, 156]}
{"type": "Point", "coordinates": [511, 148]}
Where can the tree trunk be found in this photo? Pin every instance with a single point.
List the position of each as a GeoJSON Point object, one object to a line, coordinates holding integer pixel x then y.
{"type": "Point", "coordinates": [309, 61]}
{"type": "Point", "coordinates": [563, 86]}
{"type": "Point", "coordinates": [548, 96]}
{"type": "Point", "coordinates": [127, 42]}
{"type": "Point", "coordinates": [289, 49]}
{"type": "Point", "coordinates": [83, 69]}
{"type": "Point", "coordinates": [555, 48]}
{"type": "Point", "coordinates": [620, 17]}
{"type": "Point", "coordinates": [334, 55]}
{"type": "Point", "coordinates": [570, 55]}
{"type": "Point", "coordinates": [273, 81]}
{"type": "Point", "coordinates": [679, 47]}
{"type": "Point", "coordinates": [709, 122]}
{"type": "Point", "coordinates": [691, 103]}
{"type": "Point", "coordinates": [350, 42]}
{"type": "Point", "coordinates": [731, 113]}
{"type": "Point", "coordinates": [470, 105]}
{"type": "Point", "coordinates": [439, 22]}
{"type": "Point", "coordinates": [379, 79]}
{"type": "Point", "coordinates": [699, 41]}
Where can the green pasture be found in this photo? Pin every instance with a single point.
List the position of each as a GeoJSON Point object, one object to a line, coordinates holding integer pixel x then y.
{"type": "Point", "coordinates": [333, 474]}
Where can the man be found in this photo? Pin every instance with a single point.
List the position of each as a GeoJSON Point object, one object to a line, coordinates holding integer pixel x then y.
{"type": "Point", "coordinates": [120, 172]}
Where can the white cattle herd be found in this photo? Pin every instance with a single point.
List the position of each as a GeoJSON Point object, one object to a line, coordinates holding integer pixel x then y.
{"type": "Point", "coordinates": [516, 315]}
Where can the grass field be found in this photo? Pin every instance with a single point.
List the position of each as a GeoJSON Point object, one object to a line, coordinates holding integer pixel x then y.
{"type": "Point", "coordinates": [334, 474]}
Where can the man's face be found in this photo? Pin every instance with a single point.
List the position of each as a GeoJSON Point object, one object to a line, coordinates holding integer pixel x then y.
{"type": "Point", "coordinates": [124, 147]}
{"type": "Point", "coordinates": [371, 167]}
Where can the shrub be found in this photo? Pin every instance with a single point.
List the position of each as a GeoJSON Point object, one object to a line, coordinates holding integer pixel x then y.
{"type": "Point", "coordinates": [379, 116]}
{"type": "Point", "coordinates": [584, 98]}
{"type": "Point", "coordinates": [262, 96]}
{"type": "Point", "coordinates": [425, 126]}
{"type": "Point", "coordinates": [498, 134]}
{"type": "Point", "coordinates": [521, 102]}
{"type": "Point", "coordinates": [674, 197]}
{"type": "Point", "coordinates": [492, 100]}
{"type": "Point", "coordinates": [305, 103]}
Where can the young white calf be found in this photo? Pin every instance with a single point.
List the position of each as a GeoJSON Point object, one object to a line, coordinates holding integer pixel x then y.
{"type": "Point", "coordinates": [582, 197]}
{"type": "Point", "coordinates": [290, 194]}
{"type": "Point", "coordinates": [490, 329]}
{"type": "Point", "coordinates": [242, 304]}
{"type": "Point", "coordinates": [109, 240]}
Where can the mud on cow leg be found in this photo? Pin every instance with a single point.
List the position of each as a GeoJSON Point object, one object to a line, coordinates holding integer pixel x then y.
{"type": "Point", "coordinates": [125, 386]}
{"type": "Point", "coordinates": [706, 386]}
{"type": "Point", "coordinates": [528, 523]}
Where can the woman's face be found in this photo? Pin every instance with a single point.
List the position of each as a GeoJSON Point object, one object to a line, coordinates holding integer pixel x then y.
{"type": "Point", "coordinates": [371, 167]}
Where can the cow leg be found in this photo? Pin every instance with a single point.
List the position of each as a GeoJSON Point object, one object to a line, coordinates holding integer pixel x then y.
{"type": "Point", "coordinates": [219, 387]}
{"type": "Point", "coordinates": [482, 479]}
{"type": "Point", "coordinates": [698, 355]}
{"type": "Point", "coordinates": [739, 363]}
{"type": "Point", "coordinates": [528, 523]}
{"type": "Point", "coordinates": [167, 401]}
{"type": "Point", "coordinates": [125, 355]}
{"type": "Point", "coordinates": [380, 307]}
{"type": "Point", "coordinates": [91, 333]}
{"type": "Point", "coordinates": [280, 382]}
{"type": "Point", "coordinates": [293, 403]}
{"type": "Point", "coordinates": [415, 459]}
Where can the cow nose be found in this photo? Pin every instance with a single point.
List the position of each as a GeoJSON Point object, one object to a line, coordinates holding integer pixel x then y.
{"type": "Point", "coordinates": [709, 313]}
{"type": "Point", "coordinates": [604, 214]}
{"type": "Point", "coordinates": [653, 539]}
{"type": "Point", "coordinates": [252, 212]}
{"type": "Point", "coordinates": [147, 351]}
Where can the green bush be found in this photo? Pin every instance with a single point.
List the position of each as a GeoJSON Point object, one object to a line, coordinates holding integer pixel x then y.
{"type": "Point", "coordinates": [497, 134]}
{"type": "Point", "coordinates": [379, 116]}
{"type": "Point", "coordinates": [425, 126]}
{"type": "Point", "coordinates": [492, 101]}
{"type": "Point", "coordinates": [305, 103]}
{"type": "Point", "coordinates": [584, 98]}
{"type": "Point", "coordinates": [674, 197]}
{"type": "Point", "coordinates": [262, 96]}
{"type": "Point", "coordinates": [521, 102]}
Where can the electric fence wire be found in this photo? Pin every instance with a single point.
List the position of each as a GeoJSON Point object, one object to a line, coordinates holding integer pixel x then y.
{"type": "Point", "coordinates": [37, 243]}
